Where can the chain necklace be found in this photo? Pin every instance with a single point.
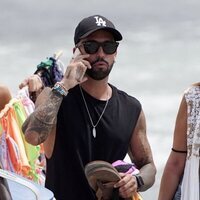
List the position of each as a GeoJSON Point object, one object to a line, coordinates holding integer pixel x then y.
{"type": "Point", "coordinates": [92, 123]}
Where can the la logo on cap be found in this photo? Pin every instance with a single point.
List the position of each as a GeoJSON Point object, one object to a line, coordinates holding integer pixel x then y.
{"type": "Point", "coordinates": [100, 21]}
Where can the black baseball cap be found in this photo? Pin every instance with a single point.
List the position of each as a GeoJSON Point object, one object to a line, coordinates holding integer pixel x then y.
{"type": "Point", "coordinates": [93, 23]}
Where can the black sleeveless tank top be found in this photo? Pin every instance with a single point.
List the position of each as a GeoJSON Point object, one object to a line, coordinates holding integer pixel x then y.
{"type": "Point", "coordinates": [75, 145]}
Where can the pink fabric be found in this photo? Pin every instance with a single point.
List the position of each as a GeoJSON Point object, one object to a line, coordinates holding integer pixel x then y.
{"type": "Point", "coordinates": [132, 170]}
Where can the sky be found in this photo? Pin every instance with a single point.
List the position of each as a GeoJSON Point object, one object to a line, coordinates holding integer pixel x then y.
{"type": "Point", "coordinates": [158, 33]}
{"type": "Point", "coordinates": [158, 57]}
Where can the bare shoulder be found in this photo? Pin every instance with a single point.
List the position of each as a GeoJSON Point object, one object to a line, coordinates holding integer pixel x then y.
{"type": "Point", "coordinates": [196, 84]}
{"type": "Point", "coordinates": [140, 150]}
{"type": "Point", "coordinates": [180, 130]}
{"type": "Point", "coordinates": [141, 124]}
{"type": "Point", "coordinates": [141, 154]}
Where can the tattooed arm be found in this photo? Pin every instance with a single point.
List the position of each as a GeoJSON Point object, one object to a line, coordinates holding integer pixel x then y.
{"type": "Point", "coordinates": [140, 153]}
{"type": "Point", "coordinates": [43, 120]}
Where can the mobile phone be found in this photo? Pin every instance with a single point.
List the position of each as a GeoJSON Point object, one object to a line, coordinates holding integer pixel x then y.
{"type": "Point", "coordinates": [76, 53]}
{"type": "Point", "coordinates": [80, 72]}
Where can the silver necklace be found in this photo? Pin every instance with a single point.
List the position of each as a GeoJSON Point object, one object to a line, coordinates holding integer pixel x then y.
{"type": "Point", "coordinates": [93, 125]}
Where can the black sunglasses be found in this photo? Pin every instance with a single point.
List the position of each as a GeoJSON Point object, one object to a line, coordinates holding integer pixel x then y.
{"type": "Point", "coordinates": [91, 47]}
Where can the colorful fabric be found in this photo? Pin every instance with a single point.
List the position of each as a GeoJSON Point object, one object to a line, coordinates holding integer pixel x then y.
{"type": "Point", "coordinates": [49, 71]}
{"type": "Point", "coordinates": [5, 160]}
{"type": "Point", "coordinates": [127, 168]}
{"type": "Point", "coordinates": [124, 167]}
{"type": "Point", "coordinates": [32, 152]}
{"type": "Point", "coordinates": [23, 96]}
{"type": "Point", "coordinates": [16, 155]}
{"type": "Point", "coordinates": [13, 130]}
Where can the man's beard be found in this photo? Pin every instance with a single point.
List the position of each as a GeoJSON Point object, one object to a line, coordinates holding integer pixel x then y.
{"type": "Point", "coordinates": [99, 74]}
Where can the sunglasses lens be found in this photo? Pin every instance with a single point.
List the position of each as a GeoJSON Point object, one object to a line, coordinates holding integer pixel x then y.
{"type": "Point", "coordinates": [92, 47]}
{"type": "Point", "coordinates": [110, 47]}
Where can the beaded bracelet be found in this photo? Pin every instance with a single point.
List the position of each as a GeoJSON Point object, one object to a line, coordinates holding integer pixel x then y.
{"type": "Point", "coordinates": [60, 88]}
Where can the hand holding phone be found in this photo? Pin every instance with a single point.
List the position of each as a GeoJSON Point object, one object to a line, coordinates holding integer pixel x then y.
{"type": "Point", "coordinates": [76, 53]}
{"type": "Point", "coordinates": [80, 70]}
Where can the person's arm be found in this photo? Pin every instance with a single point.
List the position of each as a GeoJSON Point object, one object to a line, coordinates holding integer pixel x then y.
{"type": "Point", "coordinates": [43, 120]}
{"type": "Point", "coordinates": [175, 164]}
{"type": "Point", "coordinates": [38, 126]}
{"type": "Point", "coordinates": [34, 84]}
{"type": "Point", "coordinates": [140, 154]}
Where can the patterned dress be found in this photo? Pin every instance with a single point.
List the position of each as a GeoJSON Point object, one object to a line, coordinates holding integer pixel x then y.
{"type": "Point", "coordinates": [190, 185]}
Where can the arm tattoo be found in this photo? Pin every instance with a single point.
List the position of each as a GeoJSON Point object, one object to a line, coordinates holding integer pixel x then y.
{"type": "Point", "coordinates": [44, 118]}
{"type": "Point", "coordinates": [47, 112]}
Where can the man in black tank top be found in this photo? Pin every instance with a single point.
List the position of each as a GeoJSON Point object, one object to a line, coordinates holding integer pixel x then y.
{"type": "Point", "coordinates": [83, 118]}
